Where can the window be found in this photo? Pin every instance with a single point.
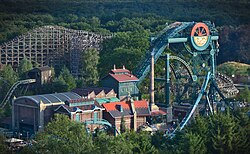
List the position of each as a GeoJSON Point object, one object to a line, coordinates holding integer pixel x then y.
{"type": "Point", "coordinates": [78, 117]}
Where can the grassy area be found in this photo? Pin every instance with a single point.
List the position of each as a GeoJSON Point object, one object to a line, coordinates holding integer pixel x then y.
{"type": "Point", "coordinates": [230, 68]}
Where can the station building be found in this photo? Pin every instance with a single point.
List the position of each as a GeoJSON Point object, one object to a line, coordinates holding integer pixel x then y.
{"type": "Point", "coordinates": [82, 110]}
{"type": "Point", "coordinates": [32, 113]}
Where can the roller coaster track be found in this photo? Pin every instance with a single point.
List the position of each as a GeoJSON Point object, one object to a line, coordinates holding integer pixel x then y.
{"type": "Point", "coordinates": [100, 122]}
{"type": "Point", "coordinates": [158, 45]}
{"type": "Point", "coordinates": [189, 115]}
{"type": "Point", "coordinates": [190, 72]}
{"type": "Point", "coordinates": [226, 79]}
{"type": "Point", "coordinates": [12, 89]}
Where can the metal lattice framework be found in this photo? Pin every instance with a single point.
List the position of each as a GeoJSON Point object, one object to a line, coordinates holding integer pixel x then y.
{"type": "Point", "coordinates": [50, 45]}
{"type": "Point", "coordinates": [189, 62]}
{"type": "Point", "coordinates": [192, 63]}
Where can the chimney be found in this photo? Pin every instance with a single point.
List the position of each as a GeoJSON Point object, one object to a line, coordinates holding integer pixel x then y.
{"type": "Point", "coordinates": [123, 67]}
{"type": "Point", "coordinates": [134, 114]}
{"type": "Point", "coordinates": [114, 67]}
{"type": "Point", "coordinates": [153, 107]}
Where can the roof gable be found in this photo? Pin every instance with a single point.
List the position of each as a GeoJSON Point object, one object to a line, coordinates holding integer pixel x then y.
{"type": "Point", "coordinates": [110, 93]}
{"type": "Point", "coordinates": [100, 94]}
{"type": "Point", "coordinates": [63, 109]}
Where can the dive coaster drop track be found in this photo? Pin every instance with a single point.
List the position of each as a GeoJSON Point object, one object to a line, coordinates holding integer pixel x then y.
{"type": "Point", "coordinates": [201, 40]}
{"type": "Point", "coordinates": [188, 116]}
{"type": "Point", "coordinates": [158, 45]}
{"type": "Point", "coordinates": [12, 89]}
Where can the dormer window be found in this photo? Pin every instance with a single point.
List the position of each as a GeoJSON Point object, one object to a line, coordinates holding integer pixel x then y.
{"type": "Point", "coordinates": [119, 107]}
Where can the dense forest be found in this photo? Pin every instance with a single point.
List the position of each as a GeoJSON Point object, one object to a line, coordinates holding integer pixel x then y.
{"type": "Point", "coordinates": [105, 16]}
{"type": "Point", "coordinates": [225, 132]}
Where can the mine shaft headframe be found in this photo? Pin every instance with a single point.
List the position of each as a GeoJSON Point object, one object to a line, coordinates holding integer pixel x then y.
{"type": "Point", "coordinates": [200, 36]}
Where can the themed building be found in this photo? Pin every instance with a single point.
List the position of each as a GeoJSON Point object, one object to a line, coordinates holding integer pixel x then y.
{"type": "Point", "coordinates": [122, 81]}
{"type": "Point", "coordinates": [82, 110]}
{"type": "Point", "coordinates": [134, 113]}
{"type": "Point", "coordinates": [32, 113]}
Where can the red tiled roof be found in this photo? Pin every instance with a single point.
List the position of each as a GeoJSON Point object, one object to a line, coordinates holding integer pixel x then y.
{"type": "Point", "coordinates": [141, 104]}
{"type": "Point", "coordinates": [158, 112]}
{"type": "Point", "coordinates": [112, 106]}
{"type": "Point", "coordinates": [141, 108]}
{"type": "Point", "coordinates": [120, 71]}
{"type": "Point", "coordinates": [124, 77]}
{"type": "Point", "coordinates": [125, 105]}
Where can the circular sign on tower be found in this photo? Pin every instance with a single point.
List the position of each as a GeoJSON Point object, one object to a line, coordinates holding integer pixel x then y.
{"type": "Point", "coordinates": [200, 36]}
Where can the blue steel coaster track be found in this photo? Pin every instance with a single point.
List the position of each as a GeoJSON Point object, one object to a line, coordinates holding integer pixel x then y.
{"type": "Point", "coordinates": [189, 115]}
{"type": "Point", "coordinates": [158, 46]}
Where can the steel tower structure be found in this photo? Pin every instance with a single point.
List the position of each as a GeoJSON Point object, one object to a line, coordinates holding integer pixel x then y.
{"type": "Point", "coordinates": [190, 71]}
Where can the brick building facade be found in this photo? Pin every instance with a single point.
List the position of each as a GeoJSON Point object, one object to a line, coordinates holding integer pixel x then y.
{"type": "Point", "coordinates": [82, 110]}
{"type": "Point", "coordinates": [133, 112]}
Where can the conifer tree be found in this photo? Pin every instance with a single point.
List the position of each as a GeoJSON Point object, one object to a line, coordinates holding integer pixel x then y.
{"type": "Point", "coordinates": [63, 136]}
{"type": "Point", "coordinates": [24, 67]}
{"type": "Point", "coordinates": [68, 78]}
{"type": "Point", "coordinates": [8, 75]}
{"type": "Point", "coordinates": [88, 71]}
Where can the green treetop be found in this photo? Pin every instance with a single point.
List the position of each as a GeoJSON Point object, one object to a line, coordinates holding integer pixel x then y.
{"type": "Point", "coordinates": [68, 78]}
{"type": "Point", "coordinates": [89, 73]}
{"type": "Point", "coordinates": [24, 67]}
